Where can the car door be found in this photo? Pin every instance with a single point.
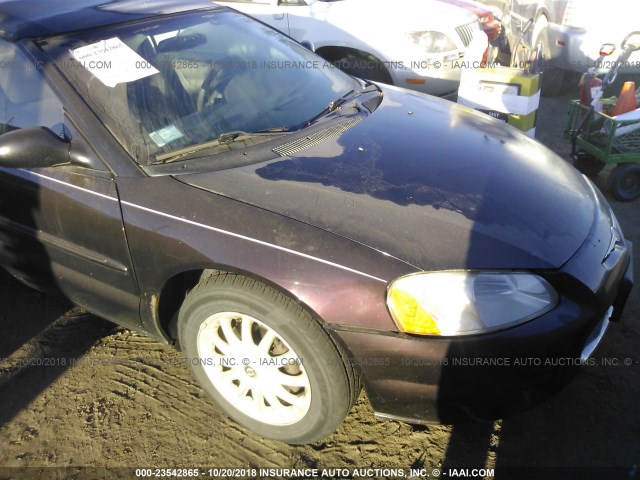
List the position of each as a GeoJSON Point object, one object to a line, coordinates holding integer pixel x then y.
{"type": "Point", "coordinates": [61, 227]}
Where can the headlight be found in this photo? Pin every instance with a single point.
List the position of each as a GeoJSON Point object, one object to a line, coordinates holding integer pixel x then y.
{"type": "Point", "coordinates": [465, 303]}
{"type": "Point", "coordinates": [433, 42]}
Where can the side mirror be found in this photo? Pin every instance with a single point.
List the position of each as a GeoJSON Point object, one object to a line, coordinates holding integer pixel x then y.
{"type": "Point", "coordinates": [33, 147]}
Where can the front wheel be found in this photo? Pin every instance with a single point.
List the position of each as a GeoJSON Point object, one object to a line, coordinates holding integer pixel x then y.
{"type": "Point", "coordinates": [624, 182]}
{"type": "Point", "coordinates": [365, 67]}
{"type": "Point", "coordinates": [264, 360]}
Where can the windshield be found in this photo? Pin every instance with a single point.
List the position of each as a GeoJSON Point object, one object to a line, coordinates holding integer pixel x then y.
{"type": "Point", "coordinates": [177, 82]}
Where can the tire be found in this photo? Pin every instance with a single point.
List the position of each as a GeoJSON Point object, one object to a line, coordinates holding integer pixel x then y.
{"type": "Point", "coordinates": [588, 164]}
{"type": "Point", "coordinates": [367, 68]}
{"type": "Point", "coordinates": [624, 182]}
{"type": "Point", "coordinates": [552, 77]}
{"type": "Point", "coordinates": [237, 334]}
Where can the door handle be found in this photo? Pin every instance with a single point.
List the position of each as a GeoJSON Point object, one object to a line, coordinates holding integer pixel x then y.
{"type": "Point", "coordinates": [278, 16]}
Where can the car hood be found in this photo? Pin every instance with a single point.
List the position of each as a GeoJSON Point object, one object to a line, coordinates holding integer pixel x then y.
{"type": "Point", "coordinates": [437, 185]}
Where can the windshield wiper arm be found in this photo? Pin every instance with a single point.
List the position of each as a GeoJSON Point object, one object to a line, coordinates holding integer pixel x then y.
{"type": "Point", "coordinates": [332, 107]}
{"type": "Point", "coordinates": [224, 139]}
{"type": "Point", "coordinates": [284, 128]}
{"type": "Point", "coordinates": [334, 104]}
{"type": "Point", "coordinates": [231, 137]}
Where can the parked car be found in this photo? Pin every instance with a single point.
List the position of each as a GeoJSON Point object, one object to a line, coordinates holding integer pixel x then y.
{"type": "Point", "coordinates": [417, 44]}
{"type": "Point", "coordinates": [183, 170]}
{"type": "Point", "coordinates": [571, 33]}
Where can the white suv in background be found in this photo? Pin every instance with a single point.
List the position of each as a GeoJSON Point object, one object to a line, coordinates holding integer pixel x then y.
{"type": "Point", "coordinates": [570, 33]}
{"type": "Point", "coordinates": [417, 44]}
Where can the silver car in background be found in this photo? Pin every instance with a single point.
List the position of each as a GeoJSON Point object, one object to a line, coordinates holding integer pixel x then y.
{"type": "Point", "coordinates": [417, 44]}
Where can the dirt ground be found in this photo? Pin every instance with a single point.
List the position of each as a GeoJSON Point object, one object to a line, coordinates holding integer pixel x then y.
{"type": "Point", "coordinates": [128, 401]}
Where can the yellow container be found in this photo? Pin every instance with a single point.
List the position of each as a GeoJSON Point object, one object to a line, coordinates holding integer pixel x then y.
{"type": "Point", "coordinates": [508, 94]}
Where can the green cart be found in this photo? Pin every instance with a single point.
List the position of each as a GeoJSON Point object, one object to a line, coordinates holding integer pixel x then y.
{"type": "Point", "coordinates": [598, 140]}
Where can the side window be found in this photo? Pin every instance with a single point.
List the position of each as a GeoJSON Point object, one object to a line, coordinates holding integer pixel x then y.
{"type": "Point", "coordinates": [25, 98]}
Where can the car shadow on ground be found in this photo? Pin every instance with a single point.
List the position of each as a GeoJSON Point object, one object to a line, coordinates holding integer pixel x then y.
{"type": "Point", "coordinates": [43, 336]}
{"type": "Point", "coordinates": [590, 430]}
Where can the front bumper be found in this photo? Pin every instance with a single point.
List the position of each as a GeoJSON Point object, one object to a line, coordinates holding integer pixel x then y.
{"type": "Point", "coordinates": [440, 79]}
{"type": "Point", "coordinates": [447, 380]}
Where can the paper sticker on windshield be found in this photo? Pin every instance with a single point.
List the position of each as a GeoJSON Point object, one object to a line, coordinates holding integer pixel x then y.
{"type": "Point", "coordinates": [165, 135]}
{"type": "Point", "coordinates": [113, 62]}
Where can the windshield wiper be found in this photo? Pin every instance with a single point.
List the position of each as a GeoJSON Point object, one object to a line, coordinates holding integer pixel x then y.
{"type": "Point", "coordinates": [273, 130]}
{"type": "Point", "coordinates": [231, 137]}
{"type": "Point", "coordinates": [224, 139]}
{"type": "Point", "coordinates": [335, 104]}
{"type": "Point", "coordinates": [332, 107]}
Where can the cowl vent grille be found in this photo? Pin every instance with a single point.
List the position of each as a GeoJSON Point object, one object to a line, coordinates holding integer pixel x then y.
{"type": "Point", "coordinates": [315, 138]}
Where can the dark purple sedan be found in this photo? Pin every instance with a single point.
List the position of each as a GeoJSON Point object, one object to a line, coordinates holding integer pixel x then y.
{"type": "Point", "coordinates": [186, 171]}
